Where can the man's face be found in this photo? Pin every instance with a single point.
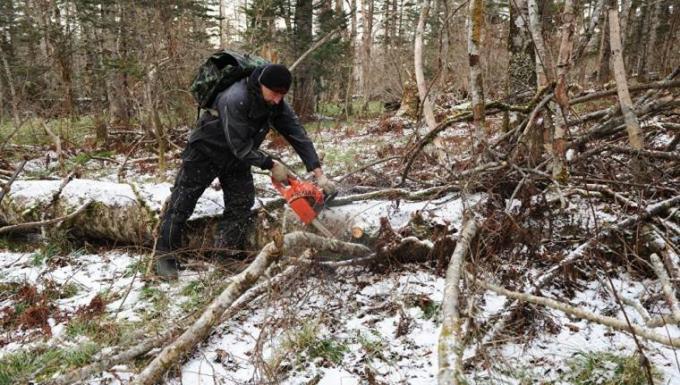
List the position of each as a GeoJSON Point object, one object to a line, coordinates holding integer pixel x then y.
{"type": "Point", "coordinates": [271, 97]}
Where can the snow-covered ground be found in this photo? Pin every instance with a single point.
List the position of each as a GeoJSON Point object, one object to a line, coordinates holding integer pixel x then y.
{"type": "Point", "coordinates": [343, 327]}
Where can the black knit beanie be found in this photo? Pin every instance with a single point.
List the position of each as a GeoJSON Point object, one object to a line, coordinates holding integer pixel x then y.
{"type": "Point", "coordinates": [276, 77]}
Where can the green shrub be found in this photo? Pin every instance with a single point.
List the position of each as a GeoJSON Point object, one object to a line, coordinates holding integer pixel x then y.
{"type": "Point", "coordinates": [603, 368]}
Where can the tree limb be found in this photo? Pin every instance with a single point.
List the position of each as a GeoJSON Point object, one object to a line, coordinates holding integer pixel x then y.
{"type": "Point", "coordinates": [450, 338]}
{"type": "Point", "coordinates": [5, 189]}
{"type": "Point", "coordinates": [572, 310]}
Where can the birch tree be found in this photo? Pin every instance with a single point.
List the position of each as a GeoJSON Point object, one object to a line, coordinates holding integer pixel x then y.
{"type": "Point", "coordinates": [425, 100]}
{"type": "Point", "coordinates": [559, 170]}
{"type": "Point", "coordinates": [617, 66]}
{"type": "Point", "coordinates": [475, 24]}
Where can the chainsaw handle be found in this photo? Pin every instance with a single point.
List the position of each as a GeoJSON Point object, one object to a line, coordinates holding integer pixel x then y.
{"type": "Point", "coordinates": [281, 187]}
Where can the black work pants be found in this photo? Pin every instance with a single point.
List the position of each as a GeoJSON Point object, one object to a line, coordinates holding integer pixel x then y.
{"type": "Point", "coordinates": [195, 175]}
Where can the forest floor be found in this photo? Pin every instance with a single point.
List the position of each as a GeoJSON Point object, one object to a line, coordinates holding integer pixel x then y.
{"type": "Point", "coordinates": [65, 302]}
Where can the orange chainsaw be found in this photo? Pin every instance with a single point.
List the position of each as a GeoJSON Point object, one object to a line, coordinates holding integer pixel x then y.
{"type": "Point", "coordinates": [306, 200]}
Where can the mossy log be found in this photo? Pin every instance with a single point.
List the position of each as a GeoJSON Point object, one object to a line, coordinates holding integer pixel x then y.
{"type": "Point", "coordinates": [118, 212]}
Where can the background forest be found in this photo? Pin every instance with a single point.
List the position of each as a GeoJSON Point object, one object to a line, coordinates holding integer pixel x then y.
{"type": "Point", "coordinates": [127, 65]}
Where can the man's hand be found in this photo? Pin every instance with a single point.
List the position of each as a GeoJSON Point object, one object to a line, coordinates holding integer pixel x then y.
{"type": "Point", "coordinates": [326, 184]}
{"type": "Point", "coordinates": [279, 172]}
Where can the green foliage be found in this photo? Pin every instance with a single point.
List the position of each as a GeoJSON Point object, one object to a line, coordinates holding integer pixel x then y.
{"type": "Point", "coordinates": [430, 309]}
{"type": "Point", "coordinates": [372, 345]}
{"type": "Point", "coordinates": [82, 327]}
{"type": "Point", "coordinates": [195, 290]}
{"type": "Point", "coordinates": [336, 109]}
{"type": "Point", "coordinates": [157, 297]}
{"type": "Point", "coordinates": [328, 349]}
{"type": "Point", "coordinates": [23, 366]}
{"type": "Point", "coordinates": [603, 368]}
{"type": "Point", "coordinates": [40, 257]}
{"type": "Point", "coordinates": [69, 290]}
{"type": "Point", "coordinates": [138, 267]}
{"type": "Point", "coordinates": [305, 344]}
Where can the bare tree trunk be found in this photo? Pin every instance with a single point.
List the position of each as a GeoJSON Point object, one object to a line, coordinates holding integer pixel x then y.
{"type": "Point", "coordinates": [605, 52]}
{"type": "Point", "coordinates": [475, 25]}
{"type": "Point", "coordinates": [303, 90]}
{"type": "Point", "coordinates": [624, 18]}
{"type": "Point", "coordinates": [117, 83]}
{"type": "Point", "coordinates": [425, 100]}
{"type": "Point", "coordinates": [544, 67]}
{"type": "Point", "coordinates": [632, 124]}
{"type": "Point", "coordinates": [651, 48]}
{"type": "Point", "coordinates": [12, 91]}
{"type": "Point", "coordinates": [367, 42]}
{"type": "Point", "coordinates": [639, 52]}
{"type": "Point", "coordinates": [559, 170]}
{"type": "Point", "coordinates": [450, 343]}
{"type": "Point", "coordinates": [521, 75]}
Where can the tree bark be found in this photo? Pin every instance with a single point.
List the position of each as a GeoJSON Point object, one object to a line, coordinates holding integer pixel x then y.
{"type": "Point", "coordinates": [559, 170]}
{"type": "Point", "coordinates": [366, 46]}
{"type": "Point", "coordinates": [632, 124]}
{"type": "Point", "coordinates": [651, 49]}
{"type": "Point", "coordinates": [521, 75]}
{"type": "Point", "coordinates": [14, 102]}
{"type": "Point", "coordinates": [475, 25]}
{"type": "Point", "coordinates": [450, 345]}
{"type": "Point", "coordinates": [544, 66]}
{"type": "Point", "coordinates": [303, 89]}
{"type": "Point", "coordinates": [425, 99]}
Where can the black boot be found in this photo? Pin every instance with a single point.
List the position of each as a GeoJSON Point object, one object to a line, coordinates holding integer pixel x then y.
{"type": "Point", "coordinates": [167, 267]}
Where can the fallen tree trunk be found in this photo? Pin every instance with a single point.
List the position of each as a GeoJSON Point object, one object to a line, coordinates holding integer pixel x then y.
{"type": "Point", "coordinates": [128, 213]}
{"type": "Point", "coordinates": [450, 345]}
{"type": "Point", "coordinates": [240, 283]}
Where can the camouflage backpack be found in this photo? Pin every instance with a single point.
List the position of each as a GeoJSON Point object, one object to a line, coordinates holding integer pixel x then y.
{"type": "Point", "coordinates": [220, 71]}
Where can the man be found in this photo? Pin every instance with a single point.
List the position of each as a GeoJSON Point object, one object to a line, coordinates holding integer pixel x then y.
{"type": "Point", "coordinates": [225, 145]}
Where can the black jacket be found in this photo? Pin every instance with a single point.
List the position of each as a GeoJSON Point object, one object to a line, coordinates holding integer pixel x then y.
{"type": "Point", "coordinates": [243, 122]}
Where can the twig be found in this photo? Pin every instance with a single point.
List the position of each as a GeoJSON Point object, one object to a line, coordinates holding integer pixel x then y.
{"type": "Point", "coordinates": [662, 84]}
{"type": "Point", "coordinates": [8, 185]}
{"type": "Point", "coordinates": [57, 143]}
{"type": "Point", "coordinates": [643, 357]}
{"type": "Point", "coordinates": [314, 46]}
{"type": "Point", "coordinates": [580, 313]}
{"type": "Point", "coordinates": [362, 168]}
{"type": "Point", "coordinates": [31, 225]}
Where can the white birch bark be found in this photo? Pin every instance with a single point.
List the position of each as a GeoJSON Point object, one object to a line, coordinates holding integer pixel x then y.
{"type": "Point", "coordinates": [450, 345]}
{"type": "Point", "coordinates": [668, 291]}
{"type": "Point", "coordinates": [617, 67]}
{"type": "Point", "coordinates": [425, 99]}
{"type": "Point", "coordinates": [475, 24]}
{"type": "Point", "coordinates": [544, 67]}
{"type": "Point", "coordinates": [559, 170]}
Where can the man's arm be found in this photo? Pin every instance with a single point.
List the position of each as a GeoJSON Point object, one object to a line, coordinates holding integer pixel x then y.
{"type": "Point", "coordinates": [233, 115]}
{"type": "Point", "coordinates": [287, 124]}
